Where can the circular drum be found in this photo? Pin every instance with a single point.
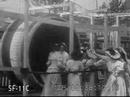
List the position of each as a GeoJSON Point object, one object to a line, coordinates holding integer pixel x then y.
{"type": "Point", "coordinates": [41, 36]}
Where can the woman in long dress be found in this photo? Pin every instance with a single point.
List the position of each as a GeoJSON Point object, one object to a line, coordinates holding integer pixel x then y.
{"type": "Point", "coordinates": [53, 85]}
{"type": "Point", "coordinates": [115, 85]}
{"type": "Point", "coordinates": [126, 68]}
{"type": "Point", "coordinates": [63, 58]}
{"type": "Point", "coordinates": [74, 79]}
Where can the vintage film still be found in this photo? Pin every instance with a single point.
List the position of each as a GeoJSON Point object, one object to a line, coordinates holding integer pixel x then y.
{"type": "Point", "coordinates": [64, 48]}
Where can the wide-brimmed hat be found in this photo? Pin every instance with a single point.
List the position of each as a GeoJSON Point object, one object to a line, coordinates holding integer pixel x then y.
{"type": "Point", "coordinates": [122, 50]}
{"type": "Point", "coordinates": [115, 56]}
{"type": "Point", "coordinates": [63, 45]}
{"type": "Point", "coordinates": [122, 53]}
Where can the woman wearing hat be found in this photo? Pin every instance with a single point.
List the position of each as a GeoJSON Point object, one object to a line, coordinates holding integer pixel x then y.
{"type": "Point", "coordinates": [63, 55]}
{"type": "Point", "coordinates": [124, 58]}
{"type": "Point", "coordinates": [126, 76]}
{"type": "Point", "coordinates": [53, 83]}
{"type": "Point", "coordinates": [115, 85]}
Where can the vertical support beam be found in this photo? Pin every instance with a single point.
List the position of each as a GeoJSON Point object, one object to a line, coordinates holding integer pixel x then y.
{"type": "Point", "coordinates": [117, 21]}
{"type": "Point", "coordinates": [92, 75]}
{"type": "Point", "coordinates": [91, 36]}
{"type": "Point", "coordinates": [91, 20]}
{"type": "Point", "coordinates": [117, 33]}
{"type": "Point", "coordinates": [26, 29]}
{"type": "Point", "coordinates": [71, 22]}
{"type": "Point", "coordinates": [45, 2]}
{"type": "Point", "coordinates": [105, 32]}
{"type": "Point", "coordinates": [116, 37]}
{"type": "Point", "coordinates": [96, 4]}
{"type": "Point", "coordinates": [91, 40]}
{"type": "Point", "coordinates": [64, 5]}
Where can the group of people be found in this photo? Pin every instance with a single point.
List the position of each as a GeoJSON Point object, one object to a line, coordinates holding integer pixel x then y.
{"type": "Point", "coordinates": [118, 82]}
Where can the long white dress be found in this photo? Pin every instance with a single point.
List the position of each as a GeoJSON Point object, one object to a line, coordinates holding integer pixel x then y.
{"type": "Point", "coordinates": [53, 85]}
{"type": "Point", "coordinates": [115, 85]}
{"type": "Point", "coordinates": [74, 80]}
{"type": "Point", "coordinates": [63, 58]}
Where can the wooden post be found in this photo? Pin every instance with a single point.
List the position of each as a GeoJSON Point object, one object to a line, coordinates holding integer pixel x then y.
{"type": "Point", "coordinates": [63, 4]}
{"type": "Point", "coordinates": [26, 27]}
{"type": "Point", "coordinates": [91, 40]}
{"type": "Point", "coordinates": [71, 34]}
{"type": "Point", "coordinates": [92, 75]}
{"type": "Point", "coordinates": [105, 32]}
{"type": "Point", "coordinates": [117, 33]}
{"type": "Point", "coordinates": [117, 21]}
{"type": "Point", "coordinates": [96, 4]}
{"type": "Point", "coordinates": [91, 36]}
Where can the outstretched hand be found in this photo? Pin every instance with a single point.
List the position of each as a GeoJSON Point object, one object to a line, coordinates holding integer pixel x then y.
{"type": "Point", "coordinates": [91, 53]}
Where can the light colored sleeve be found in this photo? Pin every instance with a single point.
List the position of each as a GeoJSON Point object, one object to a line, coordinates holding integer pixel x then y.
{"type": "Point", "coordinates": [101, 56]}
{"type": "Point", "coordinates": [119, 66]}
{"type": "Point", "coordinates": [66, 58]}
{"type": "Point", "coordinates": [89, 62]}
{"type": "Point", "coordinates": [81, 66]}
{"type": "Point", "coordinates": [68, 65]}
{"type": "Point", "coordinates": [84, 61]}
{"type": "Point", "coordinates": [128, 66]}
{"type": "Point", "coordinates": [49, 59]}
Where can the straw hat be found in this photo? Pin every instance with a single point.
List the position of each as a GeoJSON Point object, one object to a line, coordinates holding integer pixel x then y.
{"type": "Point", "coordinates": [63, 45]}
{"type": "Point", "coordinates": [122, 53]}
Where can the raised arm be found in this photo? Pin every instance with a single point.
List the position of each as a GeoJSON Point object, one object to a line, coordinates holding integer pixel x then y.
{"type": "Point", "coordinates": [100, 56]}
{"type": "Point", "coordinates": [48, 63]}
{"type": "Point", "coordinates": [100, 62]}
{"type": "Point", "coordinates": [49, 59]}
{"type": "Point", "coordinates": [119, 66]}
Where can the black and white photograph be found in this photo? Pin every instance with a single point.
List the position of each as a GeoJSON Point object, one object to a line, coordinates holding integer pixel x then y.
{"type": "Point", "coordinates": [64, 48]}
